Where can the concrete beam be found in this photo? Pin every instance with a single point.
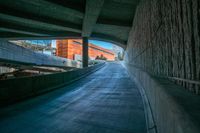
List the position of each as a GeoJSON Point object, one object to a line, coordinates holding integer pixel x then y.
{"type": "Point", "coordinates": [65, 9]}
{"type": "Point", "coordinates": [36, 22]}
{"type": "Point", "coordinates": [21, 36]}
{"type": "Point", "coordinates": [41, 5]}
{"type": "Point", "coordinates": [28, 19]}
{"type": "Point", "coordinates": [6, 35]}
{"type": "Point", "coordinates": [109, 38]}
{"type": "Point", "coordinates": [92, 11]}
{"type": "Point", "coordinates": [119, 32]}
{"type": "Point", "coordinates": [22, 32]}
{"type": "Point", "coordinates": [75, 5]}
{"type": "Point", "coordinates": [116, 22]}
{"type": "Point", "coordinates": [9, 27]}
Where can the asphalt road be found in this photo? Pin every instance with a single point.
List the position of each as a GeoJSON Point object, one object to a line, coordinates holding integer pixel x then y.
{"type": "Point", "coordinates": [106, 101]}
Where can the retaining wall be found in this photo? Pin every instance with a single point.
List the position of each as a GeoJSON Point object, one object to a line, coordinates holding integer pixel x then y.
{"type": "Point", "coordinates": [165, 42]}
{"type": "Point", "coordinates": [165, 39]}
{"type": "Point", "coordinates": [173, 108]}
{"type": "Point", "coordinates": [13, 90]}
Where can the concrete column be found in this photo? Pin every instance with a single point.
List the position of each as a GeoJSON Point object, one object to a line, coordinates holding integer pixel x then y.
{"type": "Point", "coordinates": [85, 52]}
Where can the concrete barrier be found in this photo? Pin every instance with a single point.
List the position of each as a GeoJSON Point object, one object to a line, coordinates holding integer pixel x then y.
{"type": "Point", "coordinates": [175, 110]}
{"type": "Point", "coordinates": [13, 90]}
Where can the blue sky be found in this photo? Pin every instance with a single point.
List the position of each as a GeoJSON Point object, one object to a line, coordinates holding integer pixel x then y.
{"type": "Point", "coordinates": [103, 44]}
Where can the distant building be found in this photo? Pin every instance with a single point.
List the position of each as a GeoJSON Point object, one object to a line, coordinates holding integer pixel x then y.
{"type": "Point", "coordinates": [72, 49]}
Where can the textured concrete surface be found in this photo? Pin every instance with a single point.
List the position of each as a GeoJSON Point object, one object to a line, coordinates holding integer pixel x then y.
{"type": "Point", "coordinates": [165, 39]}
{"type": "Point", "coordinates": [105, 102]}
{"type": "Point", "coordinates": [175, 110]}
{"type": "Point", "coordinates": [165, 42]}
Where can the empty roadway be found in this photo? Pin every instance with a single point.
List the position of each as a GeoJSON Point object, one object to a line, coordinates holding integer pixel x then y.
{"type": "Point", "coordinates": [106, 101]}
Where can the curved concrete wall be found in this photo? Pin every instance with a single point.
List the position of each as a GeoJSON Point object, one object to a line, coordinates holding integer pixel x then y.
{"type": "Point", "coordinates": [165, 39]}
{"type": "Point", "coordinates": [12, 90]}
{"type": "Point", "coordinates": [12, 52]}
{"type": "Point", "coordinates": [175, 110]}
{"type": "Point", "coordinates": [165, 42]}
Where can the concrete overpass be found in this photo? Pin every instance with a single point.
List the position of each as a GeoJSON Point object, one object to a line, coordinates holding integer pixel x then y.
{"type": "Point", "coordinates": [94, 19]}
{"type": "Point", "coordinates": [161, 39]}
{"type": "Point", "coordinates": [97, 19]}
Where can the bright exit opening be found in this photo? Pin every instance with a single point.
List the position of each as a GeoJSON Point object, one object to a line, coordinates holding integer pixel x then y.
{"type": "Point", "coordinates": [72, 49]}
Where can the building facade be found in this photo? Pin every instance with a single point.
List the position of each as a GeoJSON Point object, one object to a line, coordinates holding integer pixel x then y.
{"type": "Point", "coordinates": [72, 49]}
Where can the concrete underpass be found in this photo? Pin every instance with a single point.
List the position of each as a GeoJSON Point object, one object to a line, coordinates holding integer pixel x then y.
{"type": "Point", "coordinates": [106, 101]}
{"type": "Point", "coordinates": [155, 89]}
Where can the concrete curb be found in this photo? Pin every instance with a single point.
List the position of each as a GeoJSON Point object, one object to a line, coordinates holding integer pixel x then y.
{"type": "Point", "coordinates": [150, 122]}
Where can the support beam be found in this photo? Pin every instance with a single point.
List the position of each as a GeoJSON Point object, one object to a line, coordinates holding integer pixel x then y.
{"type": "Point", "coordinates": [21, 29]}
{"type": "Point", "coordinates": [72, 4]}
{"type": "Point", "coordinates": [20, 36]}
{"type": "Point", "coordinates": [117, 22]}
{"type": "Point", "coordinates": [92, 11]}
{"type": "Point", "coordinates": [22, 32]}
{"type": "Point", "coordinates": [33, 20]}
{"type": "Point", "coordinates": [5, 35]}
{"type": "Point", "coordinates": [85, 52]}
{"type": "Point", "coordinates": [36, 6]}
{"type": "Point", "coordinates": [109, 38]}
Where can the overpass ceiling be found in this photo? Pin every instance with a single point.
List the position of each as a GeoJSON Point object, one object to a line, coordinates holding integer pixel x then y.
{"type": "Point", "coordinates": [108, 20]}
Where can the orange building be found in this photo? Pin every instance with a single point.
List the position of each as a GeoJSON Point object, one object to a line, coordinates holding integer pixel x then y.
{"type": "Point", "coordinates": [72, 49]}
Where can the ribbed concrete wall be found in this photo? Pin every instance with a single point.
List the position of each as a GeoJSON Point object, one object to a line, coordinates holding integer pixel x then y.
{"type": "Point", "coordinates": [12, 52]}
{"type": "Point", "coordinates": [172, 108]}
{"type": "Point", "coordinates": [165, 42]}
{"type": "Point", "coordinates": [165, 39]}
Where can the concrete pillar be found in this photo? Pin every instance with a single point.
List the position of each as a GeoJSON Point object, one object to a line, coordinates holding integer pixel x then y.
{"type": "Point", "coordinates": [85, 52]}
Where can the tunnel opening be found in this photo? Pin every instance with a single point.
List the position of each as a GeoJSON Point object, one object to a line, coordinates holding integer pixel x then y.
{"type": "Point", "coordinates": [66, 52]}
{"type": "Point", "coordinates": [154, 89]}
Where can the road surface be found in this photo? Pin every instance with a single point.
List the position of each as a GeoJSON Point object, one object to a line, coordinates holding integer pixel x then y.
{"type": "Point", "coordinates": [106, 101]}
